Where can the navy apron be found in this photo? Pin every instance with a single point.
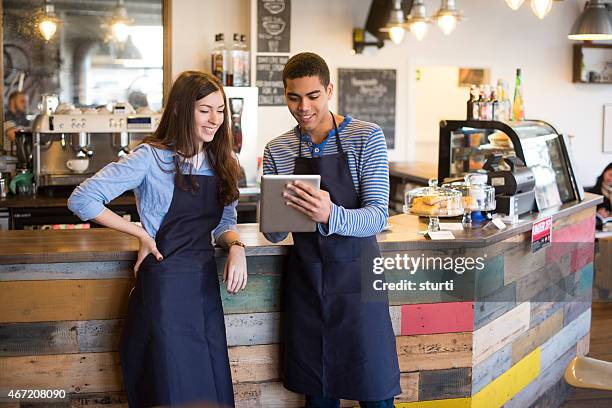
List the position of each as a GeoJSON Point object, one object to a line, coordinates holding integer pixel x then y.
{"type": "Point", "coordinates": [173, 347]}
{"type": "Point", "coordinates": [337, 345]}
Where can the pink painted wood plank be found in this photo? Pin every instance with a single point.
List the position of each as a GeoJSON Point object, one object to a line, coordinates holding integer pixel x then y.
{"type": "Point", "coordinates": [435, 318]}
{"type": "Point", "coordinates": [566, 240]}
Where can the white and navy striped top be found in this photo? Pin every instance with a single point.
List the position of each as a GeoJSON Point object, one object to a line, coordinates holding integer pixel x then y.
{"type": "Point", "coordinates": [365, 145]}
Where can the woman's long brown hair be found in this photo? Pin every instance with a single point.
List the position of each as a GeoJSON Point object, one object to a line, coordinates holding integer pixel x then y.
{"type": "Point", "coordinates": [176, 132]}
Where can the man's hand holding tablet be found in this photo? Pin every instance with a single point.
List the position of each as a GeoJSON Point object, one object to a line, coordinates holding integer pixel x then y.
{"type": "Point", "coordinates": [293, 203]}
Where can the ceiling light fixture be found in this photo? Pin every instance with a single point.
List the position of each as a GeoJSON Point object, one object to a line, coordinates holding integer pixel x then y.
{"type": "Point", "coordinates": [595, 23]}
{"type": "Point", "coordinates": [515, 4]}
{"type": "Point", "coordinates": [119, 22]}
{"type": "Point", "coordinates": [396, 24]}
{"type": "Point", "coordinates": [541, 8]}
{"type": "Point", "coordinates": [418, 20]}
{"type": "Point", "coordinates": [448, 16]}
{"type": "Point", "coordinates": [49, 22]}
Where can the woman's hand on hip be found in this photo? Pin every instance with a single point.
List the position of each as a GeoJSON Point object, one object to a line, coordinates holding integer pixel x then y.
{"type": "Point", "coordinates": [147, 246]}
{"type": "Point", "coordinates": [235, 271]}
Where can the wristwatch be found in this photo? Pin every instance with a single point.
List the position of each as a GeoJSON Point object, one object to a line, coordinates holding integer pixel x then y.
{"type": "Point", "coordinates": [236, 242]}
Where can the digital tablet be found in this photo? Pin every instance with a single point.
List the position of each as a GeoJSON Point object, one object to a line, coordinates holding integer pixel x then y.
{"type": "Point", "coordinates": [275, 215]}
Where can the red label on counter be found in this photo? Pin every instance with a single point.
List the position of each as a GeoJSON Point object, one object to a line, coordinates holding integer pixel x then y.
{"type": "Point", "coordinates": [541, 234]}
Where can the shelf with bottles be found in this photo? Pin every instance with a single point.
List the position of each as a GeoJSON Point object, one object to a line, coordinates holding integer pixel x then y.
{"type": "Point", "coordinates": [231, 63]}
{"type": "Point", "coordinates": [592, 63]}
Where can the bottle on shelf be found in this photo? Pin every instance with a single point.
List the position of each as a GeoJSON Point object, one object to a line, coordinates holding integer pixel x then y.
{"type": "Point", "coordinates": [236, 61]}
{"type": "Point", "coordinates": [246, 58]}
{"type": "Point", "coordinates": [472, 114]}
{"type": "Point", "coordinates": [219, 59]}
{"type": "Point", "coordinates": [486, 106]}
{"type": "Point", "coordinates": [518, 108]}
{"type": "Point", "coordinates": [494, 110]}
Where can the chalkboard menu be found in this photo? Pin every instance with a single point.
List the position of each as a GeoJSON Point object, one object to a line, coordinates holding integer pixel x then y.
{"type": "Point", "coordinates": [273, 25]}
{"type": "Point", "coordinates": [269, 79]}
{"type": "Point", "coordinates": [369, 94]}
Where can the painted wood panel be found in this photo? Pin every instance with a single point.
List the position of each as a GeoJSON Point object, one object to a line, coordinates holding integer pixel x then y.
{"type": "Point", "coordinates": [537, 335]}
{"type": "Point", "coordinates": [507, 385]}
{"type": "Point", "coordinates": [546, 379]}
{"type": "Point", "coordinates": [444, 384]}
{"type": "Point", "coordinates": [504, 330]}
{"type": "Point", "coordinates": [33, 301]}
{"type": "Point", "coordinates": [434, 351]}
{"type": "Point", "coordinates": [90, 372]}
{"type": "Point", "coordinates": [565, 339]}
{"type": "Point", "coordinates": [434, 318]}
{"type": "Point", "coordinates": [491, 368]}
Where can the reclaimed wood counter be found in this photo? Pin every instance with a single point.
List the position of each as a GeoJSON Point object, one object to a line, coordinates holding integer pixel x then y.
{"type": "Point", "coordinates": [502, 337]}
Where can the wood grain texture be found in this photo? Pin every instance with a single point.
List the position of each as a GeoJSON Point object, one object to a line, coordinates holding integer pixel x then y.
{"type": "Point", "coordinates": [264, 395]}
{"type": "Point", "coordinates": [435, 318]}
{"type": "Point", "coordinates": [255, 363]}
{"type": "Point", "coordinates": [536, 336]}
{"type": "Point", "coordinates": [447, 403]}
{"type": "Point", "coordinates": [519, 261]}
{"type": "Point", "coordinates": [409, 382]}
{"type": "Point", "coordinates": [501, 331]}
{"type": "Point", "coordinates": [33, 301]}
{"type": "Point", "coordinates": [537, 281]}
{"type": "Point", "coordinates": [434, 351]}
{"type": "Point", "coordinates": [541, 310]}
{"type": "Point", "coordinates": [565, 339]}
{"type": "Point", "coordinates": [582, 346]}
{"type": "Point", "coordinates": [546, 379]}
{"type": "Point", "coordinates": [507, 385]}
{"type": "Point", "coordinates": [89, 372]}
{"type": "Point", "coordinates": [445, 384]}
{"type": "Point", "coordinates": [491, 368]}
{"type": "Point", "coordinates": [251, 329]}
{"type": "Point", "coordinates": [494, 305]}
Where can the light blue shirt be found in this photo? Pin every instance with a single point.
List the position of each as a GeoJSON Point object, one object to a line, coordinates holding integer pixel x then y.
{"type": "Point", "coordinates": [141, 171]}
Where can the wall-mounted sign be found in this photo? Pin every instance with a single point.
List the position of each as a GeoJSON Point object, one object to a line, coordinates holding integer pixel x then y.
{"type": "Point", "coordinates": [273, 25]}
{"type": "Point", "coordinates": [369, 94]}
{"type": "Point", "coordinates": [269, 79]}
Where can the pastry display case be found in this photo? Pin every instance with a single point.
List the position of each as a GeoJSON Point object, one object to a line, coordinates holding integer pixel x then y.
{"type": "Point", "coordinates": [465, 146]}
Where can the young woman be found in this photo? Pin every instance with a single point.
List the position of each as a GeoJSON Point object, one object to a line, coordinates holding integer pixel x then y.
{"type": "Point", "coordinates": [173, 348]}
{"type": "Point", "coordinates": [603, 186]}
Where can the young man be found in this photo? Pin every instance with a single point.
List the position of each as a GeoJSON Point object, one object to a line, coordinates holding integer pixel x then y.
{"type": "Point", "coordinates": [337, 344]}
{"type": "Point", "coordinates": [14, 118]}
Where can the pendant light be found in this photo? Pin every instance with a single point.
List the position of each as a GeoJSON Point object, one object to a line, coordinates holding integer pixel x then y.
{"type": "Point", "coordinates": [595, 23]}
{"type": "Point", "coordinates": [396, 25]}
{"type": "Point", "coordinates": [515, 4]}
{"type": "Point", "coordinates": [541, 8]}
{"type": "Point", "coordinates": [418, 20]}
{"type": "Point", "coordinates": [49, 22]}
{"type": "Point", "coordinates": [448, 16]}
{"type": "Point", "coordinates": [119, 22]}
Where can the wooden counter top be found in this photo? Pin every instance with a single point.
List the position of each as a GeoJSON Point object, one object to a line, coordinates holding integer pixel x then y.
{"type": "Point", "coordinates": [50, 246]}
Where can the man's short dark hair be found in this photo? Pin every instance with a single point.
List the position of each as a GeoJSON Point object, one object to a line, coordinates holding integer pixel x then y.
{"type": "Point", "coordinates": [306, 64]}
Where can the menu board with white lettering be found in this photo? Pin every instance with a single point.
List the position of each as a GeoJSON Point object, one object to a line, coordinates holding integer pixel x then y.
{"type": "Point", "coordinates": [369, 94]}
{"type": "Point", "coordinates": [269, 79]}
{"type": "Point", "coordinates": [273, 25]}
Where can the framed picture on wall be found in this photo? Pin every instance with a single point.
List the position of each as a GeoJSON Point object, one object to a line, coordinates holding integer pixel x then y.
{"type": "Point", "coordinates": [474, 76]}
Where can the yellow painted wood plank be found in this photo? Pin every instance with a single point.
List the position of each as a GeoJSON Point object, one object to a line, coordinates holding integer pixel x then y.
{"type": "Point", "coordinates": [446, 403]}
{"type": "Point", "coordinates": [507, 385]}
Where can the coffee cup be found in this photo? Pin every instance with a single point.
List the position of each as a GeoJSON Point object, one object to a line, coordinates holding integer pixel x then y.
{"type": "Point", "coordinates": [78, 165]}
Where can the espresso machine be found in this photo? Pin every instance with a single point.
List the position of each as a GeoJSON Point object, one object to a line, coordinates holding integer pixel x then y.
{"type": "Point", "coordinates": [69, 147]}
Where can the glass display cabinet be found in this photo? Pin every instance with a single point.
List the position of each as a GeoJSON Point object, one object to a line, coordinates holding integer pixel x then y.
{"type": "Point", "coordinates": [465, 146]}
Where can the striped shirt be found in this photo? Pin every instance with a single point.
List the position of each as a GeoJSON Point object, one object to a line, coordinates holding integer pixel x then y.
{"type": "Point", "coordinates": [366, 148]}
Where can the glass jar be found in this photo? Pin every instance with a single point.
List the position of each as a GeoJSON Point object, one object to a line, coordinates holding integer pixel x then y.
{"type": "Point", "coordinates": [476, 195]}
{"type": "Point", "coordinates": [433, 202]}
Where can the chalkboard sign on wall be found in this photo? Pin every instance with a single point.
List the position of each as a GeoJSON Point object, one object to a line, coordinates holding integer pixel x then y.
{"type": "Point", "coordinates": [369, 94]}
{"type": "Point", "coordinates": [273, 25]}
{"type": "Point", "coordinates": [269, 79]}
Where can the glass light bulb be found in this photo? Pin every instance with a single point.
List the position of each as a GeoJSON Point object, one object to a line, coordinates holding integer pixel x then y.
{"type": "Point", "coordinates": [120, 31]}
{"type": "Point", "coordinates": [47, 28]}
{"type": "Point", "coordinates": [419, 29]}
{"type": "Point", "coordinates": [397, 34]}
{"type": "Point", "coordinates": [515, 4]}
{"type": "Point", "coordinates": [447, 23]}
{"type": "Point", "coordinates": [541, 8]}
